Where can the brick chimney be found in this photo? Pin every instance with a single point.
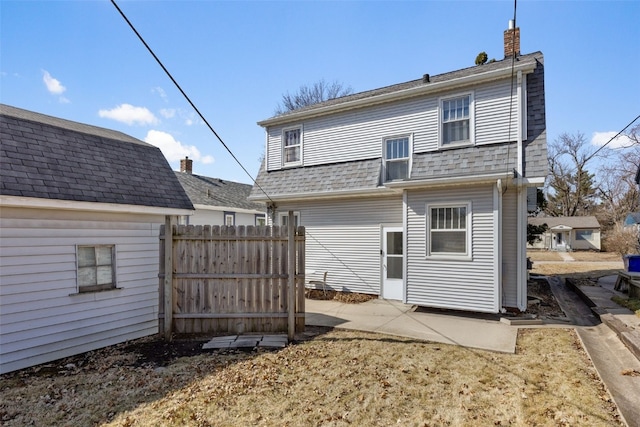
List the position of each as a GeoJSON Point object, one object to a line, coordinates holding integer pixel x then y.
{"type": "Point", "coordinates": [511, 41]}
{"type": "Point", "coordinates": [186, 165]}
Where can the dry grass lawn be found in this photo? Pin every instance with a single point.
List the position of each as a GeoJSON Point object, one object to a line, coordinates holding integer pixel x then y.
{"type": "Point", "coordinates": [335, 379]}
{"type": "Point", "coordinates": [587, 264]}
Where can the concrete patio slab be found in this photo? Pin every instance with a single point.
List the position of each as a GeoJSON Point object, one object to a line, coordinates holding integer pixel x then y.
{"type": "Point", "coordinates": [395, 318]}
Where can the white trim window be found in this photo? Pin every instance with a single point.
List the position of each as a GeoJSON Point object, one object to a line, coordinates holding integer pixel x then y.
{"type": "Point", "coordinates": [96, 267]}
{"type": "Point", "coordinates": [449, 230]}
{"type": "Point", "coordinates": [456, 120]}
{"type": "Point", "coordinates": [283, 219]}
{"type": "Point", "coordinates": [292, 146]}
{"type": "Point", "coordinates": [397, 156]}
{"type": "Point", "coordinates": [584, 235]}
{"type": "Point", "coordinates": [260, 219]}
{"type": "Point", "coordinates": [229, 218]}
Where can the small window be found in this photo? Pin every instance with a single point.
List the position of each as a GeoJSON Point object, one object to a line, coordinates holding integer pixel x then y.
{"type": "Point", "coordinates": [584, 235]}
{"type": "Point", "coordinates": [448, 230]}
{"type": "Point", "coordinates": [229, 218]}
{"type": "Point", "coordinates": [261, 220]}
{"type": "Point", "coordinates": [292, 146]}
{"type": "Point", "coordinates": [284, 218]}
{"type": "Point", "coordinates": [96, 268]}
{"type": "Point", "coordinates": [183, 220]}
{"type": "Point", "coordinates": [396, 154]}
{"type": "Point", "coordinates": [456, 120]}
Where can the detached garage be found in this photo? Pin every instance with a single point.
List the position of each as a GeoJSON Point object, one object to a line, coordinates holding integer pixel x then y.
{"type": "Point", "coordinates": [79, 226]}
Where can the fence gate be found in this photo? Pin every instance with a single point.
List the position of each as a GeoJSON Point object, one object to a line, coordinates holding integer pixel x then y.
{"type": "Point", "coordinates": [231, 279]}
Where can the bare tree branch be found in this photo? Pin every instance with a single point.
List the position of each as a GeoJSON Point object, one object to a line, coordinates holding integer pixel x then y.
{"type": "Point", "coordinates": [308, 95]}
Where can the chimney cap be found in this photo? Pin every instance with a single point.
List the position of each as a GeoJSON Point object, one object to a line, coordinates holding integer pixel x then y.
{"type": "Point", "coordinates": [511, 24]}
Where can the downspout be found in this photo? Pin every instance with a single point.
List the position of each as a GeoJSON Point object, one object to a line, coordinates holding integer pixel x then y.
{"type": "Point", "coordinates": [497, 243]}
{"type": "Point", "coordinates": [521, 207]}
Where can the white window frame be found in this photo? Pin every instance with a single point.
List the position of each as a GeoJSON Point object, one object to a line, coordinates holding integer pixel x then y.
{"type": "Point", "coordinates": [467, 255]}
{"type": "Point", "coordinates": [95, 287]}
{"type": "Point", "coordinates": [441, 122]}
{"type": "Point", "coordinates": [259, 217]}
{"type": "Point", "coordinates": [580, 235]}
{"type": "Point", "coordinates": [300, 145]}
{"type": "Point", "coordinates": [409, 158]}
{"type": "Point", "coordinates": [232, 216]}
{"type": "Point", "coordinates": [285, 215]}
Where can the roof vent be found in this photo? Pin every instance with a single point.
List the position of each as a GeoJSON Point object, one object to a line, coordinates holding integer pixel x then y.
{"type": "Point", "coordinates": [425, 78]}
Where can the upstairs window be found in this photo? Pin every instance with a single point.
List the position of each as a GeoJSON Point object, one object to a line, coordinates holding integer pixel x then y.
{"type": "Point", "coordinates": [456, 120]}
{"type": "Point", "coordinates": [284, 219]}
{"type": "Point", "coordinates": [396, 152]}
{"type": "Point", "coordinates": [292, 146]}
{"type": "Point", "coordinates": [96, 268]}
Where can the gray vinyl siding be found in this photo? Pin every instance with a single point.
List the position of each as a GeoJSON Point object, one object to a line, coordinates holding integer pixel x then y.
{"type": "Point", "coordinates": [343, 238]}
{"type": "Point", "coordinates": [43, 317]}
{"type": "Point", "coordinates": [510, 247]}
{"type": "Point", "coordinates": [492, 113]}
{"type": "Point", "coordinates": [358, 134]}
{"type": "Point", "coordinates": [454, 284]}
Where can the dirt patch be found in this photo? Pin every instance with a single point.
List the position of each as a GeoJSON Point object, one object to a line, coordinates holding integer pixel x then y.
{"type": "Point", "coordinates": [346, 297]}
{"type": "Point", "coordinates": [543, 256]}
{"type": "Point", "coordinates": [541, 301]}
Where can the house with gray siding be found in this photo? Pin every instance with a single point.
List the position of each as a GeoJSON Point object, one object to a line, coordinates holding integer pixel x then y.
{"type": "Point", "coordinates": [417, 191]}
{"type": "Point", "coordinates": [218, 201]}
{"type": "Point", "coordinates": [81, 209]}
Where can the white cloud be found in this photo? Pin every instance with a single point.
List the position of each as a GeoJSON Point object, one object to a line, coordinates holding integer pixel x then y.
{"type": "Point", "coordinates": [53, 85]}
{"type": "Point", "coordinates": [168, 113]}
{"type": "Point", "coordinates": [600, 138]}
{"type": "Point", "coordinates": [127, 113]}
{"type": "Point", "coordinates": [173, 149]}
{"type": "Point", "coordinates": [64, 100]}
{"type": "Point", "coordinates": [160, 92]}
{"type": "Point", "coordinates": [188, 122]}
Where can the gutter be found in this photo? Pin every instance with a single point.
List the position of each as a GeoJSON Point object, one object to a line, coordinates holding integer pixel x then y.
{"type": "Point", "coordinates": [72, 205]}
{"type": "Point", "coordinates": [426, 88]}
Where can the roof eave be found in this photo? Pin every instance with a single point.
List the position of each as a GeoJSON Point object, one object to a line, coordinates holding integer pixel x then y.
{"type": "Point", "coordinates": [357, 192]}
{"type": "Point", "coordinates": [73, 205]}
{"type": "Point", "coordinates": [401, 94]}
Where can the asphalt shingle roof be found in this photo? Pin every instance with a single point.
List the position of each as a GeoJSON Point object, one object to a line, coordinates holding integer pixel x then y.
{"type": "Point", "coordinates": [203, 190]}
{"type": "Point", "coordinates": [51, 158]}
{"type": "Point", "coordinates": [364, 174]}
{"type": "Point", "coordinates": [569, 221]}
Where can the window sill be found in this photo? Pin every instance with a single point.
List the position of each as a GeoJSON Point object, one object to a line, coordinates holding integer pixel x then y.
{"type": "Point", "coordinates": [94, 292]}
{"type": "Point", "coordinates": [291, 165]}
{"type": "Point", "coordinates": [449, 257]}
{"type": "Point", "coordinates": [453, 145]}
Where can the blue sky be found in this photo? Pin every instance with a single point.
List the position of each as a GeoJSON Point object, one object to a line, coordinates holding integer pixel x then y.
{"type": "Point", "coordinates": [80, 61]}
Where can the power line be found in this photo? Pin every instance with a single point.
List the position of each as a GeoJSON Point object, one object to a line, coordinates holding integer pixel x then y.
{"type": "Point", "coordinates": [615, 136]}
{"type": "Point", "coordinates": [188, 99]}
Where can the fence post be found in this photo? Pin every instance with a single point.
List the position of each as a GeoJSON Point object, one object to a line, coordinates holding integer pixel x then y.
{"type": "Point", "coordinates": [168, 276]}
{"type": "Point", "coordinates": [291, 253]}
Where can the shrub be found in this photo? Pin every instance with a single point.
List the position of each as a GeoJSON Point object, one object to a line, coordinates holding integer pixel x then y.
{"type": "Point", "coordinates": [621, 240]}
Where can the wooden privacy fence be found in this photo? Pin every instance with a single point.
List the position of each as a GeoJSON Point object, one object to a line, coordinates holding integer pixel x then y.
{"type": "Point", "coordinates": [231, 280]}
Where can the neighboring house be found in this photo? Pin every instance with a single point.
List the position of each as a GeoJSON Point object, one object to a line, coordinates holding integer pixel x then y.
{"type": "Point", "coordinates": [79, 236]}
{"type": "Point", "coordinates": [568, 233]}
{"type": "Point", "coordinates": [632, 220]}
{"type": "Point", "coordinates": [417, 191]}
{"type": "Point", "coordinates": [218, 202]}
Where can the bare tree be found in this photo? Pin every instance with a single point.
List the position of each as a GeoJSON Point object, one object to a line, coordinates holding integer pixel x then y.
{"type": "Point", "coordinates": [616, 186]}
{"type": "Point", "coordinates": [312, 94]}
{"type": "Point", "coordinates": [570, 189]}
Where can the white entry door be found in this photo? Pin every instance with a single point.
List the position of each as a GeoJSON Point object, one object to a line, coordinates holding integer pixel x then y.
{"type": "Point", "coordinates": [392, 263]}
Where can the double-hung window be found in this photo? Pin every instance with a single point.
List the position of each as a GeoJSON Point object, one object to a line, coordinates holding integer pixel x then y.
{"type": "Point", "coordinates": [96, 268]}
{"type": "Point", "coordinates": [456, 120]}
{"type": "Point", "coordinates": [292, 146]}
{"type": "Point", "coordinates": [284, 219]}
{"type": "Point", "coordinates": [396, 153]}
{"type": "Point", "coordinates": [448, 230]}
{"type": "Point", "coordinates": [229, 218]}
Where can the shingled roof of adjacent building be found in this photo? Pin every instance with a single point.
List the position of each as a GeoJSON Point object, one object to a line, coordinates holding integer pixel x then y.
{"type": "Point", "coordinates": [51, 158]}
{"type": "Point", "coordinates": [568, 221]}
{"type": "Point", "coordinates": [203, 190]}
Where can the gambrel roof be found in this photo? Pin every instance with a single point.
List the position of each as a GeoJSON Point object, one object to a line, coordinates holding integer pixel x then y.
{"type": "Point", "coordinates": [203, 190]}
{"type": "Point", "coordinates": [50, 158]}
{"type": "Point", "coordinates": [484, 160]}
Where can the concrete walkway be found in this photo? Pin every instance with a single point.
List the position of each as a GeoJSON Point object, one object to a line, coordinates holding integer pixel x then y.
{"type": "Point", "coordinates": [395, 318]}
